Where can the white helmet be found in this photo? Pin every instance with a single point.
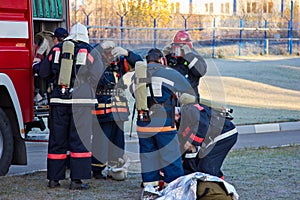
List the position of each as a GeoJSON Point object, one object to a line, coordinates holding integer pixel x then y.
{"type": "Point", "coordinates": [78, 32]}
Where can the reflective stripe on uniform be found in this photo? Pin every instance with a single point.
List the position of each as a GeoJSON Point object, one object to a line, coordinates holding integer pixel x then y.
{"type": "Point", "coordinates": [186, 131]}
{"type": "Point", "coordinates": [199, 107]}
{"type": "Point", "coordinates": [192, 63]}
{"type": "Point", "coordinates": [90, 58]}
{"type": "Point", "coordinates": [110, 110]}
{"type": "Point", "coordinates": [103, 105]}
{"type": "Point", "coordinates": [153, 183]}
{"type": "Point", "coordinates": [196, 138]}
{"type": "Point", "coordinates": [155, 129]}
{"type": "Point", "coordinates": [81, 155]}
{"type": "Point", "coordinates": [222, 136]}
{"type": "Point", "coordinates": [218, 138]}
{"type": "Point", "coordinates": [193, 155]}
{"type": "Point", "coordinates": [73, 101]}
{"type": "Point", "coordinates": [98, 165]}
{"type": "Point", "coordinates": [57, 156]}
{"type": "Point", "coordinates": [56, 51]}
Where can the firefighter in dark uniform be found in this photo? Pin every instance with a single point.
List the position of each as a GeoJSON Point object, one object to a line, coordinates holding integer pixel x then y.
{"type": "Point", "coordinates": [112, 111]}
{"type": "Point", "coordinates": [158, 141]}
{"type": "Point", "coordinates": [206, 136]}
{"type": "Point", "coordinates": [75, 69]}
{"type": "Point", "coordinates": [181, 56]}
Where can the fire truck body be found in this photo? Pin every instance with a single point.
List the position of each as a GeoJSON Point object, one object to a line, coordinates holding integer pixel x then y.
{"type": "Point", "coordinates": [19, 21]}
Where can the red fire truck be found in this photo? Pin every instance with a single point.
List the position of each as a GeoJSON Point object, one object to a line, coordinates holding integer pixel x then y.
{"type": "Point", "coordinates": [20, 20]}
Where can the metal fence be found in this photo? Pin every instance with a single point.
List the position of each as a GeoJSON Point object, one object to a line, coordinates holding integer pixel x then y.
{"type": "Point", "coordinates": [214, 37]}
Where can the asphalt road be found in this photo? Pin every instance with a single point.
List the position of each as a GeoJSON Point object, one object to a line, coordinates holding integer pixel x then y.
{"type": "Point", "coordinates": [37, 151]}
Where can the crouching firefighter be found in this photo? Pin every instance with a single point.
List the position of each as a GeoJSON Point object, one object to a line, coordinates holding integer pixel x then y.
{"type": "Point", "coordinates": [75, 68]}
{"type": "Point", "coordinates": [111, 112]}
{"type": "Point", "coordinates": [158, 141]}
{"type": "Point", "coordinates": [206, 136]}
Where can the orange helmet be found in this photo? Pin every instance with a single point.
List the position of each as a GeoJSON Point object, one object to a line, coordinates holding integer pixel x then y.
{"type": "Point", "coordinates": [183, 37]}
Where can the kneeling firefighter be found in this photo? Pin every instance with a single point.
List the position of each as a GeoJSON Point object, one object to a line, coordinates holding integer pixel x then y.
{"type": "Point", "coordinates": [206, 136]}
{"type": "Point", "coordinates": [75, 68]}
{"type": "Point", "coordinates": [159, 147]}
{"type": "Point", "coordinates": [112, 111]}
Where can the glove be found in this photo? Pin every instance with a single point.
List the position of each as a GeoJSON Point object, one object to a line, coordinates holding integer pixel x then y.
{"type": "Point", "coordinates": [119, 51]}
{"type": "Point", "coordinates": [36, 60]}
{"type": "Point", "coordinates": [186, 49]}
{"type": "Point", "coordinates": [44, 48]}
{"type": "Point", "coordinates": [167, 49]}
{"type": "Point", "coordinates": [108, 44]}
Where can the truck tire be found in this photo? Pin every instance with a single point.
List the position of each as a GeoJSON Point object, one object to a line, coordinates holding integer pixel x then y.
{"type": "Point", "coordinates": [6, 143]}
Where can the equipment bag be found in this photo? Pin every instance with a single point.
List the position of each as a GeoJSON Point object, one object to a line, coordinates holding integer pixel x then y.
{"type": "Point", "coordinates": [207, 190]}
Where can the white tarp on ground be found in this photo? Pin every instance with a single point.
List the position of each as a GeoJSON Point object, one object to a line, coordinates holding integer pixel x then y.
{"type": "Point", "coordinates": [185, 187]}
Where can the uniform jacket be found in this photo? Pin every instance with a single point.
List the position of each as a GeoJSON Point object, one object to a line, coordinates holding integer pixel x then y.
{"type": "Point", "coordinates": [112, 103]}
{"type": "Point", "coordinates": [86, 71]}
{"type": "Point", "coordinates": [196, 119]}
{"type": "Point", "coordinates": [161, 98]}
{"type": "Point", "coordinates": [192, 66]}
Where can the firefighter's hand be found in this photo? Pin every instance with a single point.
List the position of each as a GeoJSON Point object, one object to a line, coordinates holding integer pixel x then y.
{"type": "Point", "coordinates": [167, 49]}
{"type": "Point", "coordinates": [186, 49]}
{"type": "Point", "coordinates": [189, 147]}
{"type": "Point", "coordinates": [119, 51]}
{"type": "Point", "coordinates": [44, 48]}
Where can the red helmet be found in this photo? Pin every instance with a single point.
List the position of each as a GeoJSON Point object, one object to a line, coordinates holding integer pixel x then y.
{"type": "Point", "coordinates": [183, 37]}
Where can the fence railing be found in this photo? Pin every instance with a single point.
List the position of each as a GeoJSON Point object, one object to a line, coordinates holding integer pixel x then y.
{"type": "Point", "coordinates": [215, 40]}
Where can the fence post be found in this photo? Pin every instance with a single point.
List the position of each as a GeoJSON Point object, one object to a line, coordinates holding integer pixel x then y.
{"type": "Point", "coordinates": [282, 7]}
{"type": "Point", "coordinates": [121, 26]}
{"type": "Point", "coordinates": [291, 29]}
{"type": "Point", "coordinates": [241, 35]}
{"type": "Point", "coordinates": [265, 38]}
{"type": "Point", "coordinates": [214, 38]}
{"type": "Point", "coordinates": [234, 7]}
{"type": "Point", "coordinates": [185, 21]}
{"type": "Point", "coordinates": [122, 30]}
{"type": "Point", "coordinates": [154, 34]}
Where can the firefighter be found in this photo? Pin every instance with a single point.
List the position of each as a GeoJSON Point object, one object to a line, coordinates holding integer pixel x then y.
{"type": "Point", "coordinates": [158, 141]}
{"type": "Point", "coordinates": [112, 111]}
{"type": "Point", "coordinates": [43, 50]}
{"type": "Point", "coordinates": [181, 56]}
{"type": "Point", "coordinates": [75, 68]}
{"type": "Point", "coordinates": [206, 136]}
{"type": "Point", "coordinates": [59, 35]}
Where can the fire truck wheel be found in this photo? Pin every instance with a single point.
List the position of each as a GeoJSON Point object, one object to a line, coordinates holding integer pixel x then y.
{"type": "Point", "coordinates": [6, 143]}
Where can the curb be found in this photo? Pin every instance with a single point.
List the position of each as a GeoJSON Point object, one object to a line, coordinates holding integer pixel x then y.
{"type": "Point", "coordinates": [243, 129]}
{"type": "Point", "coordinates": [265, 128]}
